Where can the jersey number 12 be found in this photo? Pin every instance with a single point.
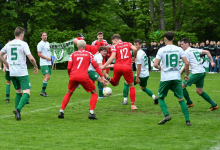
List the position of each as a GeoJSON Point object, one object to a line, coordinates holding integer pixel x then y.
{"type": "Point", "coordinates": [124, 53]}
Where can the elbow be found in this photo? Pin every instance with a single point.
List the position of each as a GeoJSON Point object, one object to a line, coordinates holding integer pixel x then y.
{"type": "Point", "coordinates": [155, 65]}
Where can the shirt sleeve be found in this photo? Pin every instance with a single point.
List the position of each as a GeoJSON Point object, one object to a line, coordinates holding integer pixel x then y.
{"type": "Point", "coordinates": [26, 49]}
{"type": "Point", "coordinates": [39, 47]}
{"type": "Point", "coordinates": [182, 53]}
{"type": "Point", "coordinates": [99, 58]}
{"type": "Point", "coordinates": [139, 59]}
{"type": "Point", "coordinates": [200, 51]}
{"type": "Point", "coordinates": [70, 64]}
{"type": "Point", "coordinates": [159, 54]}
{"type": "Point", "coordinates": [129, 44]}
{"type": "Point", "coordinates": [113, 48]}
{"type": "Point", "coordinates": [4, 49]}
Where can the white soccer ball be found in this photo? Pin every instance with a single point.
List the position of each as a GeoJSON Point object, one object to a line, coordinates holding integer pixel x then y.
{"type": "Point", "coordinates": [107, 91]}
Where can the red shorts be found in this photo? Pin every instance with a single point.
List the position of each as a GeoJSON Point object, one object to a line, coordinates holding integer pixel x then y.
{"type": "Point", "coordinates": [87, 84]}
{"type": "Point", "coordinates": [126, 71]}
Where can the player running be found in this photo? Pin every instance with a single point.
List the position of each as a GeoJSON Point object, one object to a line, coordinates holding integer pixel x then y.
{"type": "Point", "coordinates": [122, 66]}
{"type": "Point", "coordinates": [16, 51]}
{"type": "Point", "coordinates": [142, 74]}
{"type": "Point", "coordinates": [78, 65]}
{"type": "Point", "coordinates": [170, 75]}
{"type": "Point", "coordinates": [198, 73]}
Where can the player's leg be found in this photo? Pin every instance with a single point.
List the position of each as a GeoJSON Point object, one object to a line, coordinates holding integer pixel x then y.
{"type": "Point", "coordinates": [95, 77]}
{"type": "Point", "coordinates": [125, 93]}
{"type": "Point", "coordinates": [189, 103]}
{"type": "Point", "coordinates": [116, 76]}
{"type": "Point", "coordinates": [46, 70]}
{"type": "Point", "coordinates": [8, 85]}
{"type": "Point", "coordinates": [143, 85]}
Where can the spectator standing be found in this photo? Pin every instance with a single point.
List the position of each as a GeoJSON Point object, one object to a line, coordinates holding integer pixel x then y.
{"type": "Point", "coordinates": [213, 52]}
{"type": "Point", "coordinates": [154, 49]}
{"type": "Point", "coordinates": [218, 56]}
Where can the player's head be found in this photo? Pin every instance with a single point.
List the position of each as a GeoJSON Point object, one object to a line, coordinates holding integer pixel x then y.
{"type": "Point", "coordinates": [161, 41]}
{"type": "Point", "coordinates": [185, 43]}
{"type": "Point", "coordinates": [207, 42]}
{"type": "Point", "coordinates": [100, 36]}
{"type": "Point", "coordinates": [43, 36]}
{"type": "Point", "coordinates": [103, 50]}
{"type": "Point", "coordinates": [137, 43]}
{"type": "Point", "coordinates": [115, 39]}
{"type": "Point", "coordinates": [81, 44]}
{"type": "Point", "coordinates": [168, 36]}
{"type": "Point", "coordinates": [19, 33]}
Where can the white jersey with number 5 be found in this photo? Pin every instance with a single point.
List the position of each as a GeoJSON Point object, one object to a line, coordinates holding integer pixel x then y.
{"type": "Point", "coordinates": [17, 51]}
{"type": "Point", "coordinates": [142, 59]}
{"type": "Point", "coordinates": [98, 58]}
{"type": "Point", "coordinates": [170, 56]}
{"type": "Point", "coordinates": [193, 56]}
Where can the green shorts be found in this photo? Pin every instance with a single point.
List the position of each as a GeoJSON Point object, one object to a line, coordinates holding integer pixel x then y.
{"type": "Point", "coordinates": [143, 80]}
{"type": "Point", "coordinates": [174, 85]}
{"type": "Point", "coordinates": [93, 75]}
{"type": "Point", "coordinates": [7, 75]}
{"type": "Point", "coordinates": [197, 79]}
{"type": "Point", "coordinates": [22, 82]}
{"type": "Point", "coordinates": [46, 69]}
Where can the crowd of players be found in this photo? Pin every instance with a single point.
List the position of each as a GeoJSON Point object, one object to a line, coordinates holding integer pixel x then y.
{"type": "Point", "coordinates": [92, 62]}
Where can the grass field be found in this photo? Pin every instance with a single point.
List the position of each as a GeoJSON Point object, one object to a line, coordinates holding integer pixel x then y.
{"type": "Point", "coordinates": [117, 128]}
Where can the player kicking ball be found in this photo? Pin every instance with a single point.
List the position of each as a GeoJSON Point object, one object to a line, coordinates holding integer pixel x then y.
{"type": "Point", "coordinates": [78, 65]}
{"type": "Point", "coordinates": [122, 66]}
{"type": "Point", "coordinates": [198, 73]}
{"type": "Point", "coordinates": [142, 74]}
{"type": "Point", "coordinates": [170, 75]}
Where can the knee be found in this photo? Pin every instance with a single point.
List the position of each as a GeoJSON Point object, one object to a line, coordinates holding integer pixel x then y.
{"type": "Point", "coordinates": [142, 88]}
{"type": "Point", "coordinates": [70, 92]}
{"type": "Point", "coordinates": [8, 82]}
{"type": "Point", "coordinates": [199, 92]}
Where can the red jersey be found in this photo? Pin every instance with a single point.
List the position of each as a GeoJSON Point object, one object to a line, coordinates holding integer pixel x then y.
{"type": "Point", "coordinates": [123, 54]}
{"type": "Point", "coordinates": [102, 43]}
{"type": "Point", "coordinates": [79, 62]}
{"type": "Point", "coordinates": [92, 49]}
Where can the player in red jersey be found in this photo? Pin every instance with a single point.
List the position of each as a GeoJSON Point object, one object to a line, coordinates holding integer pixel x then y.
{"type": "Point", "coordinates": [122, 66]}
{"type": "Point", "coordinates": [100, 41]}
{"type": "Point", "coordinates": [78, 65]}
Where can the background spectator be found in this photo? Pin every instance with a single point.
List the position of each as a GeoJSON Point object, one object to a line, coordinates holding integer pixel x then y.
{"type": "Point", "coordinates": [213, 52]}
{"type": "Point", "coordinates": [218, 56]}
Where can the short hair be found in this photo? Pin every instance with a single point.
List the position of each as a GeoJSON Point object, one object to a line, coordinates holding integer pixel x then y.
{"type": "Point", "coordinates": [116, 36]}
{"type": "Point", "coordinates": [169, 35]}
{"type": "Point", "coordinates": [81, 44]}
{"type": "Point", "coordinates": [42, 33]}
{"type": "Point", "coordinates": [185, 40]}
{"type": "Point", "coordinates": [100, 33]}
{"type": "Point", "coordinates": [138, 41]}
{"type": "Point", "coordinates": [18, 31]}
{"type": "Point", "coordinates": [102, 48]}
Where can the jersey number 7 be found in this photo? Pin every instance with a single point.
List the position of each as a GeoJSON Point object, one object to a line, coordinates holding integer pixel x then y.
{"type": "Point", "coordinates": [80, 59]}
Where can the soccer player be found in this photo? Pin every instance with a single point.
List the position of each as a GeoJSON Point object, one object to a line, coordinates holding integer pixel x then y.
{"type": "Point", "coordinates": [198, 73]}
{"type": "Point", "coordinates": [44, 53]}
{"type": "Point", "coordinates": [170, 75]}
{"type": "Point", "coordinates": [100, 41]}
{"type": "Point", "coordinates": [122, 66]}
{"type": "Point", "coordinates": [142, 74]}
{"type": "Point", "coordinates": [16, 51]}
{"type": "Point", "coordinates": [78, 65]}
{"type": "Point", "coordinates": [91, 71]}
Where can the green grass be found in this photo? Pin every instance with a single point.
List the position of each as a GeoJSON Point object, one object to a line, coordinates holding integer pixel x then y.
{"type": "Point", "coordinates": [117, 128]}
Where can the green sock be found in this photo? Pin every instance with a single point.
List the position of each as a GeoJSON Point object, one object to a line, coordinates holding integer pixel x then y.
{"type": "Point", "coordinates": [186, 96]}
{"type": "Point", "coordinates": [100, 89]}
{"type": "Point", "coordinates": [17, 99]}
{"type": "Point", "coordinates": [208, 99]}
{"type": "Point", "coordinates": [163, 106]}
{"type": "Point", "coordinates": [44, 86]}
{"type": "Point", "coordinates": [23, 101]}
{"type": "Point", "coordinates": [184, 109]}
{"type": "Point", "coordinates": [7, 90]}
{"type": "Point", "coordinates": [125, 90]}
{"type": "Point", "coordinates": [148, 91]}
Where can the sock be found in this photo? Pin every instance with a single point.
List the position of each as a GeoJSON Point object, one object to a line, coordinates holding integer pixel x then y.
{"type": "Point", "coordinates": [148, 91]}
{"type": "Point", "coordinates": [17, 99]}
{"type": "Point", "coordinates": [23, 101]}
{"type": "Point", "coordinates": [44, 86]}
{"type": "Point", "coordinates": [184, 109]}
{"type": "Point", "coordinates": [61, 110]}
{"type": "Point", "coordinates": [91, 111]}
{"type": "Point", "coordinates": [7, 90]}
{"type": "Point", "coordinates": [125, 99]}
{"type": "Point", "coordinates": [125, 90]}
{"type": "Point", "coordinates": [132, 95]}
{"type": "Point", "coordinates": [153, 96]}
{"type": "Point", "coordinates": [93, 101]}
{"type": "Point", "coordinates": [66, 100]}
{"type": "Point", "coordinates": [113, 82]}
{"type": "Point", "coordinates": [100, 89]}
{"type": "Point", "coordinates": [163, 106]}
{"type": "Point", "coordinates": [208, 99]}
{"type": "Point", "coordinates": [186, 96]}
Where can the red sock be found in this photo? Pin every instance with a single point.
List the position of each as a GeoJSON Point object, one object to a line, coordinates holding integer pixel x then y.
{"type": "Point", "coordinates": [113, 82]}
{"type": "Point", "coordinates": [132, 95]}
{"type": "Point", "coordinates": [93, 101]}
{"type": "Point", "coordinates": [66, 100]}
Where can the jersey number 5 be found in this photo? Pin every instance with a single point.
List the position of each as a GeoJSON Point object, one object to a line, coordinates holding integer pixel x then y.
{"type": "Point", "coordinates": [14, 53]}
{"type": "Point", "coordinates": [80, 59]}
{"type": "Point", "coordinates": [124, 53]}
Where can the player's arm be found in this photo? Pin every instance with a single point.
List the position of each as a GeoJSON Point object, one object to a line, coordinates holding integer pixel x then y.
{"type": "Point", "coordinates": [181, 72]}
{"type": "Point", "coordinates": [209, 56]}
{"type": "Point", "coordinates": [3, 59]}
{"type": "Point", "coordinates": [186, 67]}
{"type": "Point", "coordinates": [33, 61]}
{"type": "Point", "coordinates": [4, 66]}
{"type": "Point", "coordinates": [98, 70]}
{"type": "Point", "coordinates": [111, 58]}
{"type": "Point", "coordinates": [70, 64]}
{"type": "Point", "coordinates": [156, 62]}
{"type": "Point", "coordinates": [134, 50]}
{"type": "Point", "coordinates": [138, 73]}
{"type": "Point", "coordinates": [44, 57]}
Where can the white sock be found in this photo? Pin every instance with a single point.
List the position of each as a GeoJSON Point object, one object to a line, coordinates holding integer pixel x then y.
{"type": "Point", "coordinates": [125, 99]}
{"type": "Point", "coordinates": [91, 111]}
{"type": "Point", "coordinates": [154, 97]}
{"type": "Point", "coordinates": [61, 110]}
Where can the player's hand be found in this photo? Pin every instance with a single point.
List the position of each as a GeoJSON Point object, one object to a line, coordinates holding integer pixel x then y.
{"type": "Point", "coordinates": [49, 59]}
{"type": "Point", "coordinates": [7, 65]}
{"type": "Point", "coordinates": [138, 80]}
{"type": "Point", "coordinates": [101, 67]}
{"type": "Point", "coordinates": [186, 78]}
{"type": "Point", "coordinates": [4, 69]}
{"type": "Point", "coordinates": [159, 67]}
{"type": "Point", "coordinates": [216, 58]}
{"type": "Point", "coordinates": [35, 70]}
{"type": "Point", "coordinates": [181, 72]}
{"type": "Point", "coordinates": [132, 60]}
{"type": "Point", "coordinates": [212, 64]}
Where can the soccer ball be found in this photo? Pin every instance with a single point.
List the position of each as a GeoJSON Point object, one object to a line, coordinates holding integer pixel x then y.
{"type": "Point", "coordinates": [107, 91]}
